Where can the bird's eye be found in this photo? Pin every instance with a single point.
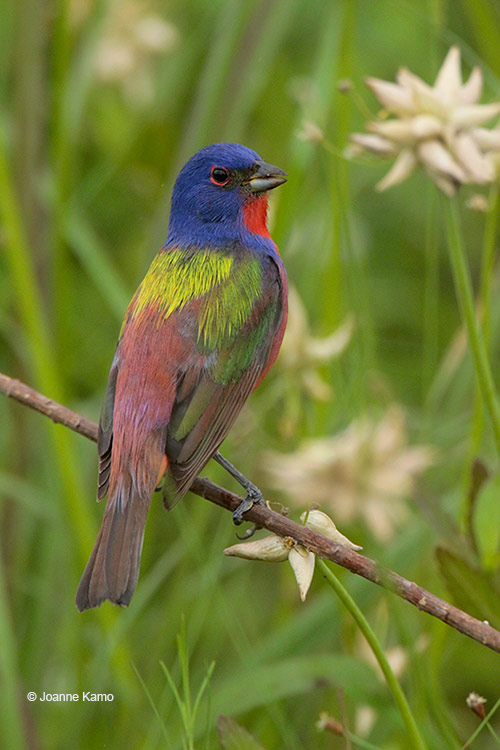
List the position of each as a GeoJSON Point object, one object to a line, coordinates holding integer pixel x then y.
{"type": "Point", "coordinates": [220, 175]}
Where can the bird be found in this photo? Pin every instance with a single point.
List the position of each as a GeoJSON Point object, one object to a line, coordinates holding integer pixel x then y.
{"type": "Point", "coordinates": [201, 332]}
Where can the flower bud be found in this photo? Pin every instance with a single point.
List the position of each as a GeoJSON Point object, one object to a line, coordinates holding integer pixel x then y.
{"type": "Point", "coordinates": [270, 548]}
{"type": "Point", "coordinates": [322, 524]}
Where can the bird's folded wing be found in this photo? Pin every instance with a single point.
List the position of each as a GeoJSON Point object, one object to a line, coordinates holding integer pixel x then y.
{"type": "Point", "coordinates": [205, 410]}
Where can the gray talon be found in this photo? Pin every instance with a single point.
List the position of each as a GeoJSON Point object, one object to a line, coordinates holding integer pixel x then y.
{"type": "Point", "coordinates": [242, 509]}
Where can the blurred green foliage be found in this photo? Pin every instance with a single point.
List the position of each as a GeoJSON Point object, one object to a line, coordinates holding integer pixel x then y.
{"type": "Point", "coordinates": [101, 102]}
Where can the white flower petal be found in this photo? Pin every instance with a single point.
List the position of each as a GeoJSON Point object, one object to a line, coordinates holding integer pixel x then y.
{"type": "Point", "coordinates": [311, 132]}
{"type": "Point", "coordinates": [154, 34]}
{"type": "Point", "coordinates": [447, 185]}
{"type": "Point", "coordinates": [302, 563]}
{"type": "Point", "coordinates": [392, 97]}
{"type": "Point", "coordinates": [270, 548]}
{"type": "Point", "coordinates": [476, 164]}
{"type": "Point", "coordinates": [365, 719]}
{"type": "Point", "coordinates": [316, 386]}
{"type": "Point", "coordinates": [470, 115]}
{"type": "Point", "coordinates": [399, 131]}
{"type": "Point", "coordinates": [322, 350]}
{"type": "Point", "coordinates": [352, 150]}
{"type": "Point", "coordinates": [435, 156]}
{"type": "Point", "coordinates": [477, 202]}
{"type": "Point", "coordinates": [494, 158]}
{"type": "Point", "coordinates": [449, 78]}
{"type": "Point", "coordinates": [114, 60]}
{"type": "Point", "coordinates": [402, 168]}
{"type": "Point", "coordinates": [426, 126]}
{"type": "Point", "coordinates": [318, 521]}
{"type": "Point", "coordinates": [487, 140]}
{"type": "Point", "coordinates": [476, 703]}
{"type": "Point", "coordinates": [425, 97]}
{"type": "Point", "coordinates": [470, 92]}
{"type": "Point", "coordinates": [371, 142]}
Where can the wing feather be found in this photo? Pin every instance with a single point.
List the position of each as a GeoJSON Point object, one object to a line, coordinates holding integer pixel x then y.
{"type": "Point", "coordinates": [105, 431]}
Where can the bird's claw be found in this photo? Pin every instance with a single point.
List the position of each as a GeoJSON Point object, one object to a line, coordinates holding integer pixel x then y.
{"type": "Point", "coordinates": [249, 532]}
{"type": "Point", "coordinates": [241, 509]}
{"type": "Point", "coordinates": [254, 496]}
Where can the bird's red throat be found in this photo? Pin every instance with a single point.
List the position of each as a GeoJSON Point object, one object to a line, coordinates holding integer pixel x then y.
{"type": "Point", "coordinates": [255, 215]}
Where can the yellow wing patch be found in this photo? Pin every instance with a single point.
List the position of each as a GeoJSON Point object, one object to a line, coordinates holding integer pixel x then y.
{"type": "Point", "coordinates": [229, 288]}
{"type": "Point", "coordinates": [175, 279]}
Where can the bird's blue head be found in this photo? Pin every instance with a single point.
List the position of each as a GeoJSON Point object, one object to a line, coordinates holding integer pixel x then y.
{"type": "Point", "coordinates": [219, 197]}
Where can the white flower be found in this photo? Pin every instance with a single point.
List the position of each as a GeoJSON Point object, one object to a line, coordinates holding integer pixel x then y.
{"type": "Point", "coordinates": [273, 548]}
{"type": "Point", "coordinates": [476, 703]}
{"type": "Point", "coordinates": [311, 133]}
{"type": "Point", "coordinates": [477, 202]}
{"type": "Point", "coordinates": [365, 719]}
{"type": "Point", "coordinates": [327, 723]}
{"type": "Point", "coordinates": [301, 353]}
{"type": "Point", "coordinates": [364, 471]}
{"type": "Point", "coordinates": [133, 36]}
{"type": "Point", "coordinates": [322, 524]}
{"type": "Point", "coordinates": [439, 127]}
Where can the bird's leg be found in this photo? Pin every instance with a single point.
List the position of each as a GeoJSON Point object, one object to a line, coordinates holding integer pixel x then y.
{"type": "Point", "coordinates": [254, 495]}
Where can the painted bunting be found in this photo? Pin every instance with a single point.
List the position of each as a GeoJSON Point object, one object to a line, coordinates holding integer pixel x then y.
{"type": "Point", "coordinates": [201, 332]}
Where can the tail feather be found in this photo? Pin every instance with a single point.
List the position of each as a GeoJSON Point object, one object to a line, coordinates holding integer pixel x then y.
{"type": "Point", "coordinates": [113, 568]}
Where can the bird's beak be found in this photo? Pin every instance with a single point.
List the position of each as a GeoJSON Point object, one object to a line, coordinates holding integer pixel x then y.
{"type": "Point", "coordinates": [265, 177]}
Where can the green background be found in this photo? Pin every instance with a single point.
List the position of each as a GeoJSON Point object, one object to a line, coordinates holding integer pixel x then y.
{"type": "Point", "coordinates": [87, 162]}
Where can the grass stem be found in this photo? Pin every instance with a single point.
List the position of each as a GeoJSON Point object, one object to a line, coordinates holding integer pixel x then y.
{"type": "Point", "coordinates": [414, 738]}
{"type": "Point", "coordinates": [463, 286]}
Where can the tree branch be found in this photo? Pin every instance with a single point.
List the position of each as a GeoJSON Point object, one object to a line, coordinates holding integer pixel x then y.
{"type": "Point", "coordinates": [284, 527]}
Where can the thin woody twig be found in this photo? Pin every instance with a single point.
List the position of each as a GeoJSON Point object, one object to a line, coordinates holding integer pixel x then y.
{"type": "Point", "coordinates": [284, 527]}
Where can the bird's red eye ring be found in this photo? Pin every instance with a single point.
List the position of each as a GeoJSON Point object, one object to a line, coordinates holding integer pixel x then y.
{"type": "Point", "coordinates": [220, 176]}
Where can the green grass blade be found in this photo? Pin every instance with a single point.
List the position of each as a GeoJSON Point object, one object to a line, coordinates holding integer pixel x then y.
{"type": "Point", "coordinates": [415, 739]}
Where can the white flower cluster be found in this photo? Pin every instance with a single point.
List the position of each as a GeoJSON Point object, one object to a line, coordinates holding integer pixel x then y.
{"type": "Point", "coordinates": [273, 548]}
{"type": "Point", "coordinates": [439, 127]}
{"type": "Point", "coordinates": [365, 472]}
{"type": "Point", "coordinates": [132, 38]}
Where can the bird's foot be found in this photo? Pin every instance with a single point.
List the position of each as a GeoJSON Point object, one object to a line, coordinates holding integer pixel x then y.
{"type": "Point", "coordinates": [254, 496]}
{"type": "Point", "coordinates": [249, 532]}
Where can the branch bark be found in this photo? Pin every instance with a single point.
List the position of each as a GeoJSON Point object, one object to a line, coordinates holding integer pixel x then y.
{"type": "Point", "coordinates": [284, 527]}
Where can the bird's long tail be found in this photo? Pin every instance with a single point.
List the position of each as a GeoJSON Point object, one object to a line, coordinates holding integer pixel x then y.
{"type": "Point", "coordinates": [113, 567]}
